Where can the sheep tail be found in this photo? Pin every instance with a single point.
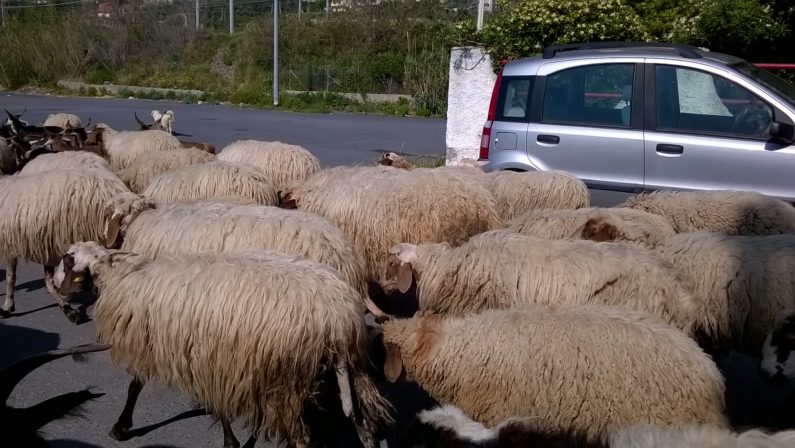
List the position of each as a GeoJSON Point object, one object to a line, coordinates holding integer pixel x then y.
{"type": "Point", "coordinates": [374, 408]}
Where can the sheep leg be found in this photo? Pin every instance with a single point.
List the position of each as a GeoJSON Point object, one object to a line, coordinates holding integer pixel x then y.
{"type": "Point", "coordinates": [343, 381]}
{"type": "Point", "coordinates": [72, 314]}
{"type": "Point", "coordinates": [229, 437]}
{"type": "Point", "coordinates": [121, 429]}
{"type": "Point", "coordinates": [11, 280]}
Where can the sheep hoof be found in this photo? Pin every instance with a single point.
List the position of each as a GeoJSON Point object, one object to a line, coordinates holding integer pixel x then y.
{"type": "Point", "coordinates": [6, 312]}
{"type": "Point", "coordinates": [72, 314]}
{"type": "Point", "coordinates": [119, 433]}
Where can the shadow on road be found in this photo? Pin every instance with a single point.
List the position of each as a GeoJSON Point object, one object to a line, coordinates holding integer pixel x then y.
{"type": "Point", "coordinates": [138, 432]}
{"type": "Point", "coordinates": [33, 285]}
{"type": "Point", "coordinates": [19, 342]}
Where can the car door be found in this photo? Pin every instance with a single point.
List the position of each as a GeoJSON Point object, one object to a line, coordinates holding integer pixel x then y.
{"type": "Point", "coordinates": [709, 130]}
{"type": "Point", "coordinates": [585, 122]}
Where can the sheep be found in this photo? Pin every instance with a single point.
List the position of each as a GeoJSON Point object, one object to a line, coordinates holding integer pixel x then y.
{"type": "Point", "coordinates": [587, 368]}
{"type": "Point", "coordinates": [42, 214]}
{"type": "Point", "coordinates": [594, 223]}
{"type": "Point", "coordinates": [139, 174]}
{"type": "Point", "coordinates": [517, 192]}
{"type": "Point", "coordinates": [19, 427]}
{"type": "Point", "coordinates": [123, 147]}
{"type": "Point", "coordinates": [378, 207]}
{"type": "Point", "coordinates": [392, 159]}
{"type": "Point", "coordinates": [204, 146]}
{"type": "Point", "coordinates": [246, 334]}
{"type": "Point", "coordinates": [745, 282]}
{"type": "Point", "coordinates": [500, 269]}
{"type": "Point", "coordinates": [209, 180]}
{"type": "Point", "coordinates": [778, 362]}
{"type": "Point", "coordinates": [63, 120]}
{"type": "Point", "coordinates": [8, 157]}
{"type": "Point", "coordinates": [720, 211]}
{"type": "Point", "coordinates": [65, 161]}
{"type": "Point", "coordinates": [282, 162]}
{"type": "Point", "coordinates": [135, 224]}
{"type": "Point", "coordinates": [448, 426]}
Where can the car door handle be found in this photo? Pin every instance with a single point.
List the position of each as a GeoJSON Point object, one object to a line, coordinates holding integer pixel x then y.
{"type": "Point", "coordinates": [670, 149]}
{"type": "Point", "coordinates": [545, 138]}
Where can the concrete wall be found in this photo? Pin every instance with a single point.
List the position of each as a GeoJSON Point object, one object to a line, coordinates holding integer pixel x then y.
{"type": "Point", "coordinates": [469, 93]}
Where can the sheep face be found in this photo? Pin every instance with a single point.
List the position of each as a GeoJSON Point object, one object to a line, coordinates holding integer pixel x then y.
{"type": "Point", "coordinates": [119, 213]}
{"type": "Point", "coordinates": [394, 160]}
{"type": "Point", "coordinates": [288, 200]}
{"type": "Point", "coordinates": [73, 271]}
{"type": "Point", "coordinates": [398, 273]}
{"type": "Point", "coordinates": [778, 352]}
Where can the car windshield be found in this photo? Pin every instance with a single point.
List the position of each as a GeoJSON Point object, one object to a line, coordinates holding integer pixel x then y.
{"type": "Point", "coordinates": [770, 80]}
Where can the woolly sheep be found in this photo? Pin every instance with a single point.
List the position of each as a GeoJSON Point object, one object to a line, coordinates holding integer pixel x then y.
{"type": "Point", "coordinates": [778, 352]}
{"type": "Point", "coordinates": [500, 269]}
{"type": "Point", "coordinates": [281, 162]}
{"type": "Point", "coordinates": [135, 225]}
{"type": "Point", "coordinates": [164, 119]}
{"type": "Point", "coordinates": [721, 211]}
{"type": "Point", "coordinates": [452, 427]}
{"type": "Point", "coordinates": [517, 192]}
{"type": "Point", "coordinates": [594, 223]}
{"type": "Point", "coordinates": [381, 206]}
{"type": "Point", "coordinates": [395, 160]}
{"type": "Point", "coordinates": [209, 180]}
{"type": "Point", "coordinates": [63, 120]}
{"type": "Point", "coordinates": [245, 334]}
{"type": "Point", "coordinates": [532, 361]}
{"type": "Point", "coordinates": [42, 214]}
{"type": "Point", "coordinates": [65, 161]}
{"type": "Point", "coordinates": [139, 174]}
{"type": "Point", "coordinates": [745, 282]}
{"type": "Point", "coordinates": [123, 147]}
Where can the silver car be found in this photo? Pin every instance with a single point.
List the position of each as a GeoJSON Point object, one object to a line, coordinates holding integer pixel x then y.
{"type": "Point", "coordinates": [633, 117]}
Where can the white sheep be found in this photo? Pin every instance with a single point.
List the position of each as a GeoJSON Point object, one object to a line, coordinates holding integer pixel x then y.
{"type": "Point", "coordinates": [587, 368]}
{"type": "Point", "coordinates": [123, 147]}
{"type": "Point", "coordinates": [452, 426]}
{"type": "Point", "coordinates": [66, 160]}
{"type": "Point", "coordinates": [246, 334]}
{"type": "Point", "coordinates": [720, 211]}
{"type": "Point", "coordinates": [594, 223]}
{"type": "Point", "coordinates": [500, 269]}
{"type": "Point", "coordinates": [164, 119]}
{"type": "Point", "coordinates": [778, 352]}
{"type": "Point", "coordinates": [139, 174]}
{"type": "Point", "coordinates": [211, 180]}
{"type": "Point", "coordinates": [518, 192]}
{"type": "Point", "coordinates": [63, 120]}
{"type": "Point", "coordinates": [745, 282]}
{"type": "Point", "coordinates": [378, 207]}
{"type": "Point", "coordinates": [283, 163]}
{"type": "Point", "coordinates": [42, 214]}
{"type": "Point", "coordinates": [134, 224]}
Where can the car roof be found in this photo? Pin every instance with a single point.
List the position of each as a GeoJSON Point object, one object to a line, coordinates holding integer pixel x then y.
{"type": "Point", "coordinates": [530, 65]}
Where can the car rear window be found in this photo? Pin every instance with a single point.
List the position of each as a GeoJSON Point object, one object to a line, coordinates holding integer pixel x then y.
{"type": "Point", "coordinates": [513, 102]}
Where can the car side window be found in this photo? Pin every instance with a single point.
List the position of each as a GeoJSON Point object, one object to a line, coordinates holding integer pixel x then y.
{"type": "Point", "coordinates": [594, 95]}
{"type": "Point", "coordinates": [693, 101]}
{"type": "Point", "coordinates": [514, 99]}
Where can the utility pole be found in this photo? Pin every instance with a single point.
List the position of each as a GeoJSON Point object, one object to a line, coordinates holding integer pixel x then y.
{"type": "Point", "coordinates": [3, 11]}
{"type": "Point", "coordinates": [275, 52]}
{"type": "Point", "coordinates": [197, 14]}
{"type": "Point", "coordinates": [299, 9]}
{"type": "Point", "coordinates": [231, 16]}
{"type": "Point", "coordinates": [328, 7]}
{"type": "Point", "coordinates": [481, 8]}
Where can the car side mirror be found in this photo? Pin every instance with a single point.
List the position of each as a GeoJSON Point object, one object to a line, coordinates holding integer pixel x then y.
{"type": "Point", "coordinates": [782, 132]}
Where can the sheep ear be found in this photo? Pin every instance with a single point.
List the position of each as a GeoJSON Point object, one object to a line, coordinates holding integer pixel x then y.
{"type": "Point", "coordinates": [405, 275]}
{"type": "Point", "coordinates": [393, 367]}
{"type": "Point", "coordinates": [112, 233]}
{"type": "Point", "coordinates": [597, 229]}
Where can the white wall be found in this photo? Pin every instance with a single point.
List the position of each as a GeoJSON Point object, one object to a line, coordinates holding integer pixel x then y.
{"type": "Point", "coordinates": [469, 93]}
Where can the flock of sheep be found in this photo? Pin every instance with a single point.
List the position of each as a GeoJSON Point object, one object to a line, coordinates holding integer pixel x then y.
{"type": "Point", "coordinates": [260, 284]}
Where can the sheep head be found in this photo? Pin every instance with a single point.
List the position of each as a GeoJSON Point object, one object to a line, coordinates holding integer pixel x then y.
{"type": "Point", "coordinates": [777, 365]}
{"type": "Point", "coordinates": [398, 273]}
{"type": "Point", "coordinates": [74, 270]}
{"type": "Point", "coordinates": [394, 160]}
{"type": "Point", "coordinates": [96, 137]}
{"type": "Point", "coordinates": [120, 212]}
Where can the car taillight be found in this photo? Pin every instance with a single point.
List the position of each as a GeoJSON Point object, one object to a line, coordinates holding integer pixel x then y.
{"type": "Point", "coordinates": [485, 137]}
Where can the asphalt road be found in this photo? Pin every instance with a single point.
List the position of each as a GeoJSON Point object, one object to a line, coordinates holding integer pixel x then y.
{"type": "Point", "coordinates": [163, 418]}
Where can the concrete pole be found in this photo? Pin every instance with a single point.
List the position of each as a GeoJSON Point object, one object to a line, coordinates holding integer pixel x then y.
{"type": "Point", "coordinates": [231, 16]}
{"type": "Point", "coordinates": [299, 9]}
{"type": "Point", "coordinates": [328, 7]}
{"type": "Point", "coordinates": [197, 14]}
{"type": "Point", "coordinates": [481, 8]}
{"type": "Point", "coordinates": [275, 52]}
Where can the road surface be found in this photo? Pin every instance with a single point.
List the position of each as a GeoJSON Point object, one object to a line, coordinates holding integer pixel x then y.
{"type": "Point", "coordinates": [163, 418]}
